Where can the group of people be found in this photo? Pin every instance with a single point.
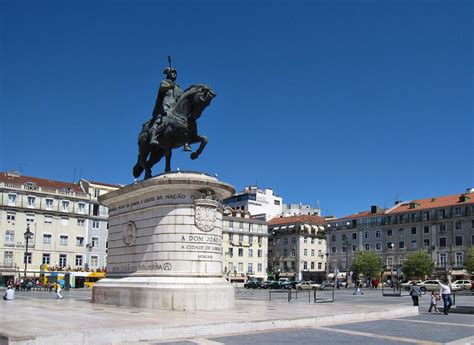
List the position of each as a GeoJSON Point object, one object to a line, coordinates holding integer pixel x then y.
{"type": "Point", "coordinates": [445, 292]}
{"type": "Point", "coordinates": [10, 291]}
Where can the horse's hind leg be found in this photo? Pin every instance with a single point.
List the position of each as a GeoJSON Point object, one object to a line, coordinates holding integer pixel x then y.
{"type": "Point", "coordinates": [168, 159]}
{"type": "Point", "coordinates": [155, 157]}
{"type": "Point", "coordinates": [141, 160]}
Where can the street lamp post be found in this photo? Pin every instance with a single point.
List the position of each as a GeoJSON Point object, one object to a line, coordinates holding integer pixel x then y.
{"type": "Point", "coordinates": [28, 235]}
{"type": "Point", "coordinates": [346, 244]}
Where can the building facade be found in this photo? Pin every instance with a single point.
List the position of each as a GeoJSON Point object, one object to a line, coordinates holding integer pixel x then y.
{"type": "Point", "coordinates": [245, 247]}
{"type": "Point", "coordinates": [68, 227]}
{"type": "Point", "coordinates": [300, 209]}
{"type": "Point", "coordinates": [441, 226]}
{"type": "Point", "coordinates": [98, 226]}
{"type": "Point", "coordinates": [258, 202]}
{"type": "Point", "coordinates": [297, 247]}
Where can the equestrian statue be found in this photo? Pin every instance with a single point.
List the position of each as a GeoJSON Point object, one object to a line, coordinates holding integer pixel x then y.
{"type": "Point", "coordinates": [173, 123]}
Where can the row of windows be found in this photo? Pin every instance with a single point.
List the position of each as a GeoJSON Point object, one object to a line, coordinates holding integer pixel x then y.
{"type": "Point", "coordinates": [442, 242]}
{"type": "Point", "coordinates": [46, 259]}
{"type": "Point", "coordinates": [48, 219]}
{"type": "Point", "coordinates": [293, 252]}
{"type": "Point", "coordinates": [249, 252]}
{"type": "Point", "coordinates": [241, 238]}
{"type": "Point", "coordinates": [292, 265]}
{"type": "Point", "coordinates": [457, 211]}
{"type": "Point", "coordinates": [293, 240]}
{"type": "Point", "coordinates": [458, 225]}
{"type": "Point", "coordinates": [240, 225]}
{"type": "Point", "coordinates": [442, 260]}
{"type": "Point", "coordinates": [240, 267]}
{"type": "Point", "coordinates": [47, 239]}
{"type": "Point", "coordinates": [49, 202]}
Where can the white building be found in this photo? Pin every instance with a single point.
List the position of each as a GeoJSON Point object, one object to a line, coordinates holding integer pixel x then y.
{"type": "Point", "coordinates": [96, 253]}
{"type": "Point", "coordinates": [57, 215]}
{"type": "Point", "coordinates": [300, 210]}
{"type": "Point", "coordinates": [257, 202]}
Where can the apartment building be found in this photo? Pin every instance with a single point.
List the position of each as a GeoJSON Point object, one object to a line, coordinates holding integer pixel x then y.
{"type": "Point", "coordinates": [263, 203]}
{"type": "Point", "coordinates": [297, 247]}
{"type": "Point", "coordinates": [442, 226]}
{"type": "Point", "coordinates": [98, 226]}
{"type": "Point", "coordinates": [68, 227]}
{"type": "Point", "coordinates": [245, 246]}
{"type": "Point", "coordinates": [55, 213]}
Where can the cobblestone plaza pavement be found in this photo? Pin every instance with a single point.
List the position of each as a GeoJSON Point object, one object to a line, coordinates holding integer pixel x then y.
{"type": "Point", "coordinates": [37, 318]}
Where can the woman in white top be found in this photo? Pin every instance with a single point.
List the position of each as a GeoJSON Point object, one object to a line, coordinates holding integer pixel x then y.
{"type": "Point", "coordinates": [446, 294]}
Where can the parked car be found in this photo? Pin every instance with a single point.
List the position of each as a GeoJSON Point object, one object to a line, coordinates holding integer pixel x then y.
{"type": "Point", "coordinates": [288, 285]}
{"type": "Point", "coordinates": [464, 284]}
{"type": "Point", "coordinates": [308, 285]}
{"type": "Point", "coordinates": [429, 285]}
{"type": "Point", "coordinates": [407, 286]}
{"type": "Point", "coordinates": [270, 284]}
{"type": "Point", "coordinates": [252, 284]}
{"type": "Point", "coordinates": [328, 284]}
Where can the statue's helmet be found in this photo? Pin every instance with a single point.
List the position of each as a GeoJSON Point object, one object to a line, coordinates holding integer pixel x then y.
{"type": "Point", "coordinates": [169, 70]}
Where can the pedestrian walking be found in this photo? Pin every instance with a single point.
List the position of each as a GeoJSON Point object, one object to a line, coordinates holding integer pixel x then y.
{"type": "Point", "coordinates": [446, 294]}
{"type": "Point", "coordinates": [415, 294]}
{"type": "Point", "coordinates": [433, 300]}
{"type": "Point", "coordinates": [58, 291]}
{"type": "Point", "coordinates": [358, 289]}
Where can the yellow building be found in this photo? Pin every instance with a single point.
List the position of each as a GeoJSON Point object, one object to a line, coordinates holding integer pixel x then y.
{"type": "Point", "coordinates": [245, 247]}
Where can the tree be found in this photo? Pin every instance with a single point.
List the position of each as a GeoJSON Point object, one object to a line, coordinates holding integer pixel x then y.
{"type": "Point", "coordinates": [367, 263]}
{"type": "Point", "coordinates": [418, 264]}
{"type": "Point", "coordinates": [469, 261]}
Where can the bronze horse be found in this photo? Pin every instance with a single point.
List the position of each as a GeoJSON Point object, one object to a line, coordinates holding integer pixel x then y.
{"type": "Point", "coordinates": [177, 128]}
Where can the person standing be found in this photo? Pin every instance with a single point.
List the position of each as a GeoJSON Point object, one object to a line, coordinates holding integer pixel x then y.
{"type": "Point", "coordinates": [433, 301]}
{"type": "Point", "coordinates": [446, 294]}
{"type": "Point", "coordinates": [415, 294]}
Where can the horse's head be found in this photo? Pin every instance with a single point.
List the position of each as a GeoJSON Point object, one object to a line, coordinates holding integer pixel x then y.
{"type": "Point", "coordinates": [194, 100]}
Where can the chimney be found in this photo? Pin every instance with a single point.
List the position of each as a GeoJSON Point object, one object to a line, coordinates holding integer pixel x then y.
{"type": "Point", "coordinates": [397, 202]}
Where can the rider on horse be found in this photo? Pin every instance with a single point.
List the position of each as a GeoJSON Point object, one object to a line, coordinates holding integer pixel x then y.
{"type": "Point", "coordinates": [168, 94]}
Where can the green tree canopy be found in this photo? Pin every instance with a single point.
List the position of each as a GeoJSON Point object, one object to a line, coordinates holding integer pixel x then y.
{"type": "Point", "coordinates": [469, 260]}
{"type": "Point", "coordinates": [367, 263]}
{"type": "Point", "coordinates": [418, 264]}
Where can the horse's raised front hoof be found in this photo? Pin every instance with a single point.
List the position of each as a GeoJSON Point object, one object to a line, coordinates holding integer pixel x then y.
{"type": "Point", "coordinates": [194, 155]}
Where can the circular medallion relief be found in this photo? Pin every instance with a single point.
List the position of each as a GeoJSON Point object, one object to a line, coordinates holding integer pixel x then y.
{"type": "Point", "coordinates": [129, 234]}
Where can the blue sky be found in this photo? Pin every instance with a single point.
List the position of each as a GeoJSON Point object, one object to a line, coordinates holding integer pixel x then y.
{"type": "Point", "coordinates": [352, 103]}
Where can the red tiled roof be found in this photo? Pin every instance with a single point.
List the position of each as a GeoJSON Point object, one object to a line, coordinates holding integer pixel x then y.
{"type": "Point", "coordinates": [297, 219]}
{"type": "Point", "coordinates": [428, 203]}
{"type": "Point", "coordinates": [359, 215]}
{"type": "Point", "coordinates": [40, 182]}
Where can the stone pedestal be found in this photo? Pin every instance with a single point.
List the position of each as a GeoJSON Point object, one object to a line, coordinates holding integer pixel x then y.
{"type": "Point", "coordinates": [165, 245]}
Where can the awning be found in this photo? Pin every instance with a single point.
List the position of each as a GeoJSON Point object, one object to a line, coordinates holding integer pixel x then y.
{"type": "Point", "coordinates": [307, 226]}
{"type": "Point", "coordinates": [321, 227]}
{"type": "Point", "coordinates": [283, 227]}
{"type": "Point", "coordinates": [315, 227]}
{"type": "Point", "coordinates": [331, 275]}
{"type": "Point", "coordinates": [276, 228]}
{"type": "Point", "coordinates": [291, 227]}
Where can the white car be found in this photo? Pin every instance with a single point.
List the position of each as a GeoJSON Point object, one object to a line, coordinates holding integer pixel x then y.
{"type": "Point", "coordinates": [429, 285]}
{"type": "Point", "coordinates": [308, 285]}
{"type": "Point", "coordinates": [464, 284]}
